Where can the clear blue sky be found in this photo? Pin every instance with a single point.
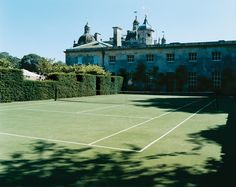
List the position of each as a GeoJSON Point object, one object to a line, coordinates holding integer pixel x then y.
{"type": "Point", "coordinates": [48, 27]}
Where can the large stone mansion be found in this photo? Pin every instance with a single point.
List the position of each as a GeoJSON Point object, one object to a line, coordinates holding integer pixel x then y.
{"type": "Point", "coordinates": [210, 60]}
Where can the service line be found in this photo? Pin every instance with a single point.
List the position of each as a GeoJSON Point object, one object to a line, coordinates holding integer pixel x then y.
{"type": "Point", "coordinates": [142, 123]}
{"type": "Point", "coordinates": [150, 144]}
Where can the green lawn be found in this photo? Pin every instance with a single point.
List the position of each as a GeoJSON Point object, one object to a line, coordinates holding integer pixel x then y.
{"type": "Point", "coordinates": [115, 140]}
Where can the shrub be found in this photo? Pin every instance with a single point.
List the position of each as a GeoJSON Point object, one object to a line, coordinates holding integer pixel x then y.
{"type": "Point", "coordinates": [14, 88]}
{"type": "Point", "coordinates": [72, 85]}
{"type": "Point", "coordinates": [109, 84]}
{"type": "Point", "coordinates": [11, 85]}
{"type": "Point", "coordinates": [38, 90]}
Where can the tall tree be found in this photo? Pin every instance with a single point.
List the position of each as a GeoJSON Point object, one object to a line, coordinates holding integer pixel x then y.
{"type": "Point", "coordinates": [153, 77]}
{"type": "Point", "coordinates": [123, 72]}
{"type": "Point", "coordinates": [140, 73]}
{"type": "Point", "coordinates": [228, 78]}
{"type": "Point", "coordinates": [4, 63]}
{"type": "Point", "coordinates": [14, 61]}
{"type": "Point", "coordinates": [30, 62]}
{"type": "Point", "coordinates": [44, 66]}
{"type": "Point", "coordinates": [181, 76]}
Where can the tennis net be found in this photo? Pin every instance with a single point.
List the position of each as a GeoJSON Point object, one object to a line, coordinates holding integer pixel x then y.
{"type": "Point", "coordinates": [131, 97]}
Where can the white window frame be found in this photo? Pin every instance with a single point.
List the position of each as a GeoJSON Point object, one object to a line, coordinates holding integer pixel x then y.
{"type": "Point", "coordinates": [112, 59]}
{"type": "Point", "coordinates": [192, 57]}
{"type": "Point", "coordinates": [170, 57]}
{"type": "Point", "coordinates": [216, 79]}
{"type": "Point", "coordinates": [130, 58]}
{"type": "Point", "coordinates": [150, 57]}
{"type": "Point", "coordinates": [192, 80]}
{"type": "Point", "coordinates": [216, 56]}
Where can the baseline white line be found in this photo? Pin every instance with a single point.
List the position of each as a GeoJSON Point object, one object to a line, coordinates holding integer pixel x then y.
{"type": "Point", "coordinates": [39, 138]}
{"type": "Point", "coordinates": [113, 148]}
{"type": "Point", "coordinates": [139, 124]}
{"type": "Point", "coordinates": [66, 142]}
{"type": "Point", "coordinates": [150, 144]}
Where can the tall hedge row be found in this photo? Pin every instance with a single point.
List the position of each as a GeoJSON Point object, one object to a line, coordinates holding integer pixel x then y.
{"type": "Point", "coordinates": [38, 90]}
{"type": "Point", "coordinates": [74, 85]}
{"type": "Point", "coordinates": [109, 84]}
{"type": "Point", "coordinates": [11, 81]}
{"type": "Point", "coordinates": [14, 88]}
{"type": "Point", "coordinates": [116, 84]}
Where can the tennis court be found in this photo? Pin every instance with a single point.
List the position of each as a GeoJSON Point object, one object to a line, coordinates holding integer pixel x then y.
{"type": "Point", "coordinates": [105, 122]}
{"type": "Point", "coordinates": [113, 140]}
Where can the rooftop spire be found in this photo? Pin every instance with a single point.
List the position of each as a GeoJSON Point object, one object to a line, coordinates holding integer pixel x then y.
{"type": "Point", "coordinates": [163, 40]}
{"type": "Point", "coordinates": [86, 29]}
{"type": "Point", "coordinates": [145, 20]}
{"type": "Point", "coordinates": [135, 22]}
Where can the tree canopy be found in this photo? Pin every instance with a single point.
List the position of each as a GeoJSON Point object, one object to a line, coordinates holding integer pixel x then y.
{"type": "Point", "coordinates": [8, 61]}
{"type": "Point", "coordinates": [30, 62]}
{"type": "Point", "coordinates": [44, 66]}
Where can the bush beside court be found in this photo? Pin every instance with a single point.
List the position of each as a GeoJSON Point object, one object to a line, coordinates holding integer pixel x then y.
{"type": "Point", "coordinates": [14, 88]}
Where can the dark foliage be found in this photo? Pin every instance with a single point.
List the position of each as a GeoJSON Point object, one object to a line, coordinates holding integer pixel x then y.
{"type": "Point", "coordinates": [14, 88]}
{"type": "Point", "coordinates": [30, 62]}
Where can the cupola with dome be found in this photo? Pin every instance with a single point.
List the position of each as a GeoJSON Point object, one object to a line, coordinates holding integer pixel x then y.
{"type": "Point", "coordinates": [86, 37]}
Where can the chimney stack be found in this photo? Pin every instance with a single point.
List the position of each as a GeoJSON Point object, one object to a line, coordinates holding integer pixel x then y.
{"type": "Point", "coordinates": [97, 36]}
{"type": "Point", "coordinates": [117, 41]}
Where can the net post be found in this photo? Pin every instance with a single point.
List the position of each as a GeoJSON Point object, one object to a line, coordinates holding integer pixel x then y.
{"type": "Point", "coordinates": [55, 93]}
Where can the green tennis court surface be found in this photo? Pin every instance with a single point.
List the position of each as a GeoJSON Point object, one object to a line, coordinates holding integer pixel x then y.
{"type": "Point", "coordinates": [142, 136]}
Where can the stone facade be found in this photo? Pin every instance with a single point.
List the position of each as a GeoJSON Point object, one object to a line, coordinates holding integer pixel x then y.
{"type": "Point", "coordinates": [202, 59]}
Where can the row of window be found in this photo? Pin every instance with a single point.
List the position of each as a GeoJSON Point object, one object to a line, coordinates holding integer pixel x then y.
{"type": "Point", "coordinates": [193, 80]}
{"type": "Point", "coordinates": [170, 57]}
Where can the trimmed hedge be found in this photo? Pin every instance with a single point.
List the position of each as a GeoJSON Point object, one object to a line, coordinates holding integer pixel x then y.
{"type": "Point", "coordinates": [11, 81]}
{"type": "Point", "coordinates": [116, 84]}
{"type": "Point", "coordinates": [103, 85]}
{"type": "Point", "coordinates": [38, 90]}
{"type": "Point", "coordinates": [66, 84]}
{"type": "Point", "coordinates": [72, 85]}
{"type": "Point", "coordinates": [14, 88]}
{"type": "Point", "coordinates": [109, 84]}
{"type": "Point", "coordinates": [7, 74]}
{"type": "Point", "coordinates": [88, 84]}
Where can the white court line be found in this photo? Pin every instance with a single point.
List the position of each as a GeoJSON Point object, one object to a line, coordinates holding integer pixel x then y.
{"type": "Point", "coordinates": [139, 124]}
{"type": "Point", "coordinates": [99, 108]}
{"type": "Point", "coordinates": [22, 106]}
{"type": "Point", "coordinates": [150, 144]}
{"type": "Point", "coordinates": [118, 116]}
{"type": "Point", "coordinates": [113, 148]}
{"type": "Point", "coordinates": [80, 112]}
{"type": "Point", "coordinates": [66, 142]}
{"type": "Point", "coordinates": [90, 114]}
{"type": "Point", "coordinates": [50, 111]}
{"type": "Point", "coordinates": [13, 104]}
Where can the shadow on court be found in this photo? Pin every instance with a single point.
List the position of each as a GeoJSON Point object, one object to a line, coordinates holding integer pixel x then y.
{"type": "Point", "coordinates": [184, 104]}
{"type": "Point", "coordinates": [48, 164]}
{"type": "Point", "coordinates": [223, 135]}
{"type": "Point", "coordinates": [52, 165]}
